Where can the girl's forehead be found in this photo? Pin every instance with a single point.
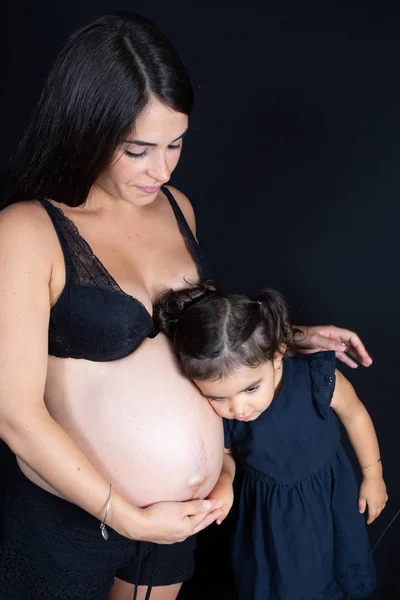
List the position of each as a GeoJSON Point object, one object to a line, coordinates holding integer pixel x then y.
{"type": "Point", "coordinates": [234, 383]}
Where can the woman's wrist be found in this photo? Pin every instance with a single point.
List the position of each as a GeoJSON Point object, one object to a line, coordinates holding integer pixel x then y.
{"type": "Point", "coordinates": [125, 518]}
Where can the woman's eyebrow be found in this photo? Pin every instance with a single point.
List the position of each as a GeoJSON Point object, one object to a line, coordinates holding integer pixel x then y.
{"type": "Point", "coordinates": [143, 143]}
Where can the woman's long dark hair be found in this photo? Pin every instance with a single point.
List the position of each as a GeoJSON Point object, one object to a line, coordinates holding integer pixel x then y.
{"type": "Point", "coordinates": [214, 334]}
{"type": "Point", "coordinates": [98, 86]}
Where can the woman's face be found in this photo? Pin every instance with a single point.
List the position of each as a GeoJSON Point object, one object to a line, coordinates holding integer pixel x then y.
{"type": "Point", "coordinates": [147, 157]}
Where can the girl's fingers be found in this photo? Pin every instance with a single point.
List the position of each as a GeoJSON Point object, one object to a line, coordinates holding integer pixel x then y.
{"type": "Point", "coordinates": [362, 505]}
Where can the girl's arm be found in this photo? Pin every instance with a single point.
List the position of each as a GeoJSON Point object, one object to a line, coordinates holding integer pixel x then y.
{"type": "Point", "coordinates": [222, 493]}
{"type": "Point", "coordinates": [228, 465]}
{"type": "Point", "coordinates": [360, 429]}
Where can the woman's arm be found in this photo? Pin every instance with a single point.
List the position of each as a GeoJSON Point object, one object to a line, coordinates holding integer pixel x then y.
{"type": "Point", "coordinates": [360, 429]}
{"type": "Point", "coordinates": [347, 345]}
{"type": "Point", "coordinates": [26, 426]}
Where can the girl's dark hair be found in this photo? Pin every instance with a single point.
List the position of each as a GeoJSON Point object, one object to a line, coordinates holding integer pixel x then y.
{"type": "Point", "coordinates": [215, 334]}
{"type": "Point", "coordinates": [98, 86]}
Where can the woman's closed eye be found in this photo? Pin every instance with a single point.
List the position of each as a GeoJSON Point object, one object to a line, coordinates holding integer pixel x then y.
{"type": "Point", "coordinates": [136, 154]}
{"type": "Point", "coordinates": [146, 151]}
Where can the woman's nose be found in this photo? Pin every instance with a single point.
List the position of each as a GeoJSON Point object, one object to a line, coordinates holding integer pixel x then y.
{"type": "Point", "coordinates": [159, 169]}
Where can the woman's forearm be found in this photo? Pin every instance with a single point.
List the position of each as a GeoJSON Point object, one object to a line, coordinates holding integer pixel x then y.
{"type": "Point", "coordinates": [48, 450]}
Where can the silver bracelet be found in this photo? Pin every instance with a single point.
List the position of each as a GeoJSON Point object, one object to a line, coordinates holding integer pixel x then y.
{"type": "Point", "coordinates": [104, 531]}
{"type": "Point", "coordinates": [372, 464]}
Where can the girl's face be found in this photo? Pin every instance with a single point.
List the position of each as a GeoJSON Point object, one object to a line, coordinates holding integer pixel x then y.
{"type": "Point", "coordinates": [245, 394]}
{"type": "Point", "coordinates": [145, 160]}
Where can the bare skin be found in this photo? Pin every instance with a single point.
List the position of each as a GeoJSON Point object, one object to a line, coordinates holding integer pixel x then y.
{"type": "Point", "coordinates": [105, 425]}
{"type": "Point", "coordinates": [78, 426]}
{"type": "Point", "coordinates": [124, 591]}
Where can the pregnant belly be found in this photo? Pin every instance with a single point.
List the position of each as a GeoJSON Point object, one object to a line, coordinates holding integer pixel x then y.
{"type": "Point", "coordinates": [140, 422]}
{"type": "Point", "coordinates": [169, 448]}
{"type": "Point", "coordinates": [171, 455]}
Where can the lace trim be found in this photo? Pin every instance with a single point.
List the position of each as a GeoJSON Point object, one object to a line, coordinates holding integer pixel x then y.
{"type": "Point", "coordinates": [87, 269]}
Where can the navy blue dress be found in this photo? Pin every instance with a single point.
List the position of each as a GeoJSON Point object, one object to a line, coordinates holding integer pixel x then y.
{"type": "Point", "coordinates": [297, 533]}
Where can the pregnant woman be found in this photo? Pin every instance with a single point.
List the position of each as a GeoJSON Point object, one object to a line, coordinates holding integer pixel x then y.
{"type": "Point", "coordinates": [116, 450]}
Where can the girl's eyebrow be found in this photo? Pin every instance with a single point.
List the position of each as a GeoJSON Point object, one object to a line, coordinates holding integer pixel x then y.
{"type": "Point", "coordinates": [143, 143]}
{"type": "Point", "coordinates": [253, 384]}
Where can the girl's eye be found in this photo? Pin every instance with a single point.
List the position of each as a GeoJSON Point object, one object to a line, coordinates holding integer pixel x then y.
{"type": "Point", "coordinates": [216, 399]}
{"type": "Point", "coordinates": [135, 154]}
{"type": "Point", "coordinates": [175, 147]}
{"type": "Point", "coordinates": [253, 389]}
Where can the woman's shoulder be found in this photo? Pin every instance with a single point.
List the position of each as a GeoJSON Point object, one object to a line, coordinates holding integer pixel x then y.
{"type": "Point", "coordinates": [185, 206]}
{"type": "Point", "coordinates": [25, 214]}
{"type": "Point", "coordinates": [26, 229]}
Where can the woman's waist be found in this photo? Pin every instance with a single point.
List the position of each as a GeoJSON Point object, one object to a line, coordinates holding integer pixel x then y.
{"type": "Point", "coordinates": [68, 518]}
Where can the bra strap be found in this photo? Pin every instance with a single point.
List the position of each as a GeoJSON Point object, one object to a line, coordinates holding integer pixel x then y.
{"type": "Point", "coordinates": [187, 234]}
{"type": "Point", "coordinates": [56, 219]}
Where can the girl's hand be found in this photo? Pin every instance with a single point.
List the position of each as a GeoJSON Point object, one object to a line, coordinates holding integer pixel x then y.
{"type": "Point", "coordinates": [372, 494]}
{"type": "Point", "coordinates": [347, 345]}
{"type": "Point", "coordinates": [222, 495]}
{"type": "Point", "coordinates": [170, 522]}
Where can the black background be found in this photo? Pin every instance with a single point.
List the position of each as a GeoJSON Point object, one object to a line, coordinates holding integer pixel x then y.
{"type": "Point", "coordinates": [292, 167]}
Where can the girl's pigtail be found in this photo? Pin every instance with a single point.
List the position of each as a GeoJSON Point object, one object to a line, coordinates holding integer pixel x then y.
{"type": "Point", "coordinates": [277, 321]}
{"type": "Point", "coordinates": [173, 303]}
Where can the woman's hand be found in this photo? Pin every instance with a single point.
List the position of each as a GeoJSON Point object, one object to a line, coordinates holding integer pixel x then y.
{"type": "Point", "coordinates": [170, 522]}
{"type": "Point", "coordinates": [347, 345]}
{"type": "Point", "coordinates": [222, 495]}
{"type": "Point", "coordinates": [372, 494]}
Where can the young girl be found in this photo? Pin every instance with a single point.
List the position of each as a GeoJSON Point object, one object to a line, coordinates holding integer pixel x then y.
{"type": "Point", "coordinates": [298, 525]}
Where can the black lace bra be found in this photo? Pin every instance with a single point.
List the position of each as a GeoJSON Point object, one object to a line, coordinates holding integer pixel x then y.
{"type": "Point", "coordinates": [93, 318]}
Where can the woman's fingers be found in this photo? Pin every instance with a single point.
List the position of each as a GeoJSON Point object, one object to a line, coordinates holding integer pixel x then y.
{"type": "Point", "coordinates": [346, 343]}
{"type": "Point", "coordinates": [347, 360]}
